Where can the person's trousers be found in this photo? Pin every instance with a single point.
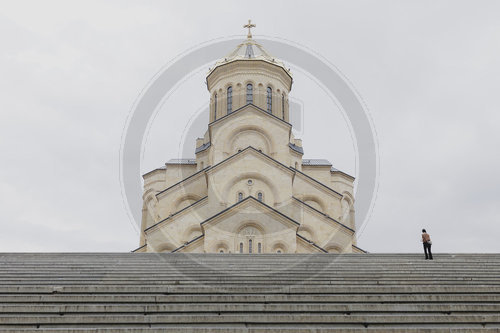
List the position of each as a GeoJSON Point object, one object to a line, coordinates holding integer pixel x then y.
{"type": "Point", "coordinates": [427, 251]}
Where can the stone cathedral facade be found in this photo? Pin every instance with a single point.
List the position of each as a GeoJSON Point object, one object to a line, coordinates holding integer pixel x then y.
{"type": "Point", "coordinates": [248, 190]}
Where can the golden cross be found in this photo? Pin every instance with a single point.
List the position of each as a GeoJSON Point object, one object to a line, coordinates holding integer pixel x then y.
{"type": "Point", "coordinates": [249, 26]}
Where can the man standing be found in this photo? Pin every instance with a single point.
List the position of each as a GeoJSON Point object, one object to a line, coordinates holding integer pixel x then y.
{"type": "Point", "coordinates": [426, 240]}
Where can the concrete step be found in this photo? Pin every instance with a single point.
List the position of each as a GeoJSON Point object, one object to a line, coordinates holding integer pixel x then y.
{"type": "Point", "coordinates": [241, 307]}
{"type": "Point", "coordinates": [278, 328]}
{"type": "Point", "coordinates": [56, 288]}
{"type": "Point", "coordinates": [91, 298]}
{"type": "Point", "coordinates": [106, 319]}
{"type": "Point", "coordinates": [86, 292]}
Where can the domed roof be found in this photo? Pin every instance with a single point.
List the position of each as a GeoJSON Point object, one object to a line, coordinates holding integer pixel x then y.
{"type": "Point", "coordinates": [249, 50]}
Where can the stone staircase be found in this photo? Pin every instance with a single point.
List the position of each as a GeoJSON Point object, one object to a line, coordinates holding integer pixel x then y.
{"type": "Point", "coordinates": [134, 292]}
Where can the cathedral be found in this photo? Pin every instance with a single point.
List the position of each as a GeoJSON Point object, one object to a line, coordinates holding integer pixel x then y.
{"type": "Point", "coordinates": [248, 189]}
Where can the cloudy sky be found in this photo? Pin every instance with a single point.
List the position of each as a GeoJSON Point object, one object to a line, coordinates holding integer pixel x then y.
{"type": "Point", "coordinates": [428, 72]}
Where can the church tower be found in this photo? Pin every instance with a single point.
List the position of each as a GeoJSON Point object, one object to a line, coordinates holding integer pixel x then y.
{"type": "Point", "coordinates": [248, 189]}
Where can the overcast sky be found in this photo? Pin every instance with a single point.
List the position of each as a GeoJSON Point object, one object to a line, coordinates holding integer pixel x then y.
{"type": "Point", "coordinates": [428, 71]}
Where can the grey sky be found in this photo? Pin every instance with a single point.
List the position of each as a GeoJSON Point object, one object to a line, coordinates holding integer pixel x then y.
{"type": "Point", "coordinates": [429, 72]}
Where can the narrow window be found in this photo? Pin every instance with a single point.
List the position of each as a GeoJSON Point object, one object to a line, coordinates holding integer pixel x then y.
{"type": "Point", "coordinates": [259, 196]}
{"type": "Point", "coordinates": [279, 251]}
{"type": "Point", "coordinates": [259, 247]}
{"type": "Point", "coordinates": [283, 106]}
{"type": "Point", "coordinates": [240, 196]}
{"type": "Point", "coordinates": [229, 99]}
{"type": "Point", "coordinates": [269, 99]}
{"type": "Point", "coordinates": [221, 251]}
{"type": "Point", "coordinates": [215, 107]}
{"type": "Point", "coordinates": [249, 93]}
{"type": "Point", "coordinates": [249, 246]}
{"type": "Point", "coordinates": [241, 247]}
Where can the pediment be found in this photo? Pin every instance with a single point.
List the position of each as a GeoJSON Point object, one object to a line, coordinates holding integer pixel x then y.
{"type": "Point", "coordinates": [246, 109]}
{"type": "Point", "coordinates": [250, 151]}
{"type": "Point", "coordinates": [250, 211]}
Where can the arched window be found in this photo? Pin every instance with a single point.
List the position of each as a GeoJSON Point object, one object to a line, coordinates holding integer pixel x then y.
{"type": "Point", "coordinates": [249, 93]}
{"type": "Point", "coordinates": [241, 247]}
{"type": "Point", "coordinates": [269, 99]}
{"type": "Point", "coordinates": [283, 106]}
{"type": "Point", "coordinates": [240, 196]}
{"type": "Point", "coordinates": [215, 107]}
{"type": "Point", "coordinates": [229, 99]}
{"type": "Point", "coordinates": [249, 246]}
{"type": "Point", "coordinates": [279, 251]}
{"type": "Point", "coordinates": [259, 196]}
{"type": "Point", "coordinates": [221, 251]}
{"type": "Point", "coordinates": [259, 247]}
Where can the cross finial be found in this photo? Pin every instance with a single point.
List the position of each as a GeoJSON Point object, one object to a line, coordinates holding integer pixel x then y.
{"type": "Point", "coordinates": [249, 26]}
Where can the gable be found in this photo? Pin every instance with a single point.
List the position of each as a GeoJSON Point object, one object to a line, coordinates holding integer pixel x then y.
{"type": "Point", "coordinates": [252, 151]}
{"type": "Point", "coordinates": [250, 210]}
{"type": "Point", "coordinates": [266, 175]}
{"type": "Point", "coordinates": [250, 108]}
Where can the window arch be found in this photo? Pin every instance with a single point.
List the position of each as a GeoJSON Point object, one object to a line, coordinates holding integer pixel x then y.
{"type": "Point", "coordinates": [240, 196]}
{"type": "Point", "coordinates": [249, 93]}
{"type": "Point", "coordinates": [229, 99]}
{"type": "Point", "coordinates": [215, 107]}
{"type": "Point", "coordinates": [283, 106]}
{"type": "Point", "coordinates": [269, 99]}
{"type": "Point", "coordinates": [259, 196]}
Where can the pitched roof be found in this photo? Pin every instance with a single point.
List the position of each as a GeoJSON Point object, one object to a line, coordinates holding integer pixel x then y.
{"type": "Point", "coordinates": [296, 148]}
{"type": "Point", "coordinates": [316, 161]}
{"type": "Point", "coordinates": [364, 251]}
{"type": "Point", "coordinates": [246, 106]}
{"type": "Point", "coordinates": [157, 169]}
{"type": "Point", "coordinates": [250, 148]}
{"type": "Point", "coordinates": [176, 213]}
{"type": "Point", "coordinates": [181, 161]}
{"type": "Point", "coordinates": [182, 181]}
{"type": "Point", "coordinates": [316, 181]}
{"type": "Point", "coordinates": [323, 162]}
{"type": "Point", "coordinates": [188, 243]}
{"type": "Point", "coordinates": [140, 247]}
{"type": "Point", "coordinates": [312, 243]}
{"type": "Point", "coordinates": [202, 147]}
{"type": "Point", "coordinates": [255, 200]}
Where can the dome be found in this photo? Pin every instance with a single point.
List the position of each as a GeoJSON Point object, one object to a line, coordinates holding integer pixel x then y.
{"type": "Point", "coordinates": [249, 50]}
